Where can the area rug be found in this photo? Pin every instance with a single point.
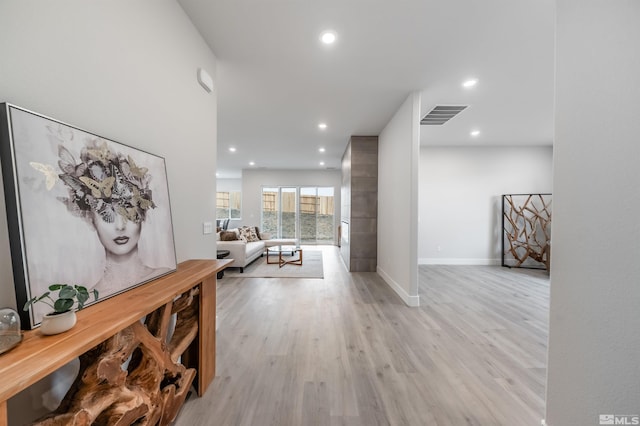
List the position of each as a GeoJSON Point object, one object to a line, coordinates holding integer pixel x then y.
{"type": "Point", "coordinates": [312, 267]}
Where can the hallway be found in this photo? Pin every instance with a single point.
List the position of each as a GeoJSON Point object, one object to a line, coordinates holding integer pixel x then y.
{"type": "Point", "coordinates": [345, 350]}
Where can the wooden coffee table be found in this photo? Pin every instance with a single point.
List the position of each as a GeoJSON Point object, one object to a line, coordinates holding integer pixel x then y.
{"type": "Point", "coordinates": [285, 249]}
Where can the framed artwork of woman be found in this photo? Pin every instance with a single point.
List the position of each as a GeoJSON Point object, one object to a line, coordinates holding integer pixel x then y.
{"type": "Point", "coordinates": [81, 209]}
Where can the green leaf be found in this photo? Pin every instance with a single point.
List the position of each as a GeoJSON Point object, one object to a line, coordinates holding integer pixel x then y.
{"type": "Point", "coordinates": [67, 292]}
{"type": "Point", "coordinates": [29, 303]}
{"type": "Point", "coordinates": [63, 305]}
{"type": "Point", "coordinates": [54, 287]}
{"type": "Point", "coordinates": [34, 300]}
{"type": "Point", "coordinates": [82, 297]}
{"type": "Point", "coordinates": [81, 290]}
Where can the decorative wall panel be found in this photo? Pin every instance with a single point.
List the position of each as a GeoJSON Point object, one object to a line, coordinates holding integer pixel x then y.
{"type": "Point", "coordinates": [526, 230]}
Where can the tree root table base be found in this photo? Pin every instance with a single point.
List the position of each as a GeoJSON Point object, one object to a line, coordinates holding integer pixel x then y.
{"type": "Point", "coordinates": [132, 371]}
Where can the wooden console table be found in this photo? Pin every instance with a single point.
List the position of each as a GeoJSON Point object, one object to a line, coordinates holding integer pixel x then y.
{"type": "Point", "coordinates": [110, 330]}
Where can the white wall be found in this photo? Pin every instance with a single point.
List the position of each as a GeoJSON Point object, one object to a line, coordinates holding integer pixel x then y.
{"type": "Point", "coordinates": [460, 198]}
{"type": "Point", "coordinates": [398, 158]}
{"type": "Point", "coordinates": [594, 342]}
{"type": "Point", "coordinates": [229, 184]}
{"type": "Point", "coordinates": [126, 70]}
{"type": "Point", "coordinates": [254, 180]}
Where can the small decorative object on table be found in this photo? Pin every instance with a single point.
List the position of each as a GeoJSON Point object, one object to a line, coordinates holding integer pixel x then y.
{"type": "Point", "coordinates": [10, 334]}
{"type": "Point", "coordinates": [63, 317]}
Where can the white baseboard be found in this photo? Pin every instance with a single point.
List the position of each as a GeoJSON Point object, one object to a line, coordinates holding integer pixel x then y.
{"type": "Point", "coordinates": [412, 301]}
{"type": "Point", "coordinates": [457, 261]}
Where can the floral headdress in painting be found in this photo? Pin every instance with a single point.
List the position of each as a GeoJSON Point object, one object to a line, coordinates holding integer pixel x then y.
{"type": "Point", "coordinates": [105, 182]}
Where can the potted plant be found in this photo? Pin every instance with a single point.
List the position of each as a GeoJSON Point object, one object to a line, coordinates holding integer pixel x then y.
{"type": "Point", "coordinates": [63, 316]}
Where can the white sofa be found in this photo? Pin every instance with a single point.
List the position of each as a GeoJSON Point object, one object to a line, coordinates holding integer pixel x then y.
{"type": "Point", "coordinates": [243, 253]}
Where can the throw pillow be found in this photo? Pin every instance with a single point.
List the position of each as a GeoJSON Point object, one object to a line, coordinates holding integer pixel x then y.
{"type": "Point", "coordinates": [249, 233]}
{"type": "Point", "coordinates": [243, 231]}
{"type": "Point", "coordinates": [228, 236]}
{"type": "Point", "coordinates": [252, 235]}
{"type": "Point", "coordinates": [257, 232]}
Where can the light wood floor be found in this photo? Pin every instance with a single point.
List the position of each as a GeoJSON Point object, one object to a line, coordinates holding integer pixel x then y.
{"type": "Point", "coordinates": [345, 350]}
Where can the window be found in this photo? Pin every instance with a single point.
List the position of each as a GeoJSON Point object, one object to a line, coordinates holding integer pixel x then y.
{"type": "Point", "coordinates": [275, 221]}
{"type": "Point", "coordinates": [228, 205]}
{"type": "Point", "coordinates": [317, 221]}
{"type": "Point", "coordinates": [306, 213]}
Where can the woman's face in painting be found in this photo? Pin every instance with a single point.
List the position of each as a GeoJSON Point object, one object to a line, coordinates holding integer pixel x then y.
{"type": "Point", "coordinates": [119, 237]}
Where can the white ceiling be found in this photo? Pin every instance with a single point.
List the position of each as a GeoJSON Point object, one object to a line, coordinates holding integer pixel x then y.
{"type": "Point", "coordinates": [276, 81]}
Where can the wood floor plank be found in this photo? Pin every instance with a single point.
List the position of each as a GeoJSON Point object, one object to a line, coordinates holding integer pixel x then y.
{"type": "Point", "coordinates": [315, 405]}
{"type": "Point", "coordinates": [345, 350]}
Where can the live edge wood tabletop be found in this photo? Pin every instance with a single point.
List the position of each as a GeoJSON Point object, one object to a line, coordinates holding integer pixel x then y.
{"type": "Point", "coordinates": [39, 355]}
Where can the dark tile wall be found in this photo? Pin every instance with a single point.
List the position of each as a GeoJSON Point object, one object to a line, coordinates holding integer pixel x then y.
{"type": "Point", "coordinates": [360, 203]}
{"type": "Point", "coordinates": [345, 197]}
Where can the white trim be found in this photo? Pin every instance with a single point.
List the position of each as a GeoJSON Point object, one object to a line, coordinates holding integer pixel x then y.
{"type": "Point", "coordinates": [414, 195]}
{"type": "Point", "coordinates": [457, 261]}
{"type": "Point", "coordinates": [412, 301]}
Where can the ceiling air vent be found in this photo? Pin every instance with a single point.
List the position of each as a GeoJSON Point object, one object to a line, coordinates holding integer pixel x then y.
{"type": "Point", "coordinates": [441, 114]}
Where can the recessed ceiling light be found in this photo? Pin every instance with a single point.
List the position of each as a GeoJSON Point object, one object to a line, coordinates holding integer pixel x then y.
{"type": "Point", "coordinates": [321, 149]}
{"type": "Point", "coordinates": [232, 149]}
{"type": "Point", "coordinates": [252, 163]}
{"type": "Point", "coordinates": [217, 174]}
{"type": "Point", "coordinates": [470, 83]}
{"type": "Point", "coordinates": [475, 133]}
{"type": "Point", "coordinates": [322, 163]}
{"type": "Point", "coordinates": [328, 37]}
{"type": "Point", "coordinates": [322, 126]}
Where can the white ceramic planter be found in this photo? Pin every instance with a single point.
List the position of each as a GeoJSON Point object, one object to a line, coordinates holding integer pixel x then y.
{"type": "Point", "coordinates": [54, 324]}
